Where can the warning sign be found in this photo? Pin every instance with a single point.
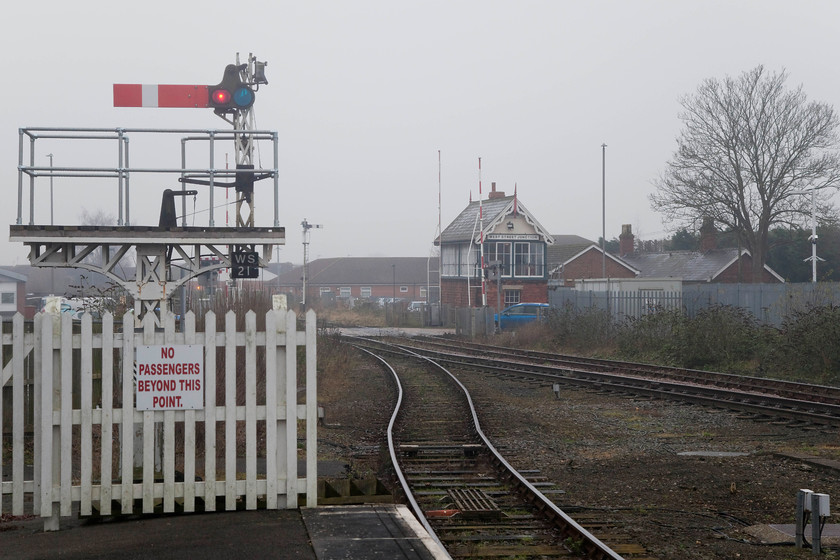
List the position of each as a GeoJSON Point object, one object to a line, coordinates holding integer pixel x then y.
{"type": "Point", "coordinates": [170, 377]}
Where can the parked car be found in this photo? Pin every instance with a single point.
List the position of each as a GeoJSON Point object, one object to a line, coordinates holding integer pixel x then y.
{"type": "Point", "coordinates": [520, 314]}
{"type": "Point", "coordinates": [417, 306]}
{"type": "Point", "coordinates": [77, 307]}
{"type": "Point", "coordinates": [388, 300]}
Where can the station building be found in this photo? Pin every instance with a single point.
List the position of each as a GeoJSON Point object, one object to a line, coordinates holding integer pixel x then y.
{"type": "Point", "coordinates": [504, 235]}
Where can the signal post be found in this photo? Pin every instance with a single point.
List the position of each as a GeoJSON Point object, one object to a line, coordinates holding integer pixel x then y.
{"type": "Point", "coordinates": [164, 249]}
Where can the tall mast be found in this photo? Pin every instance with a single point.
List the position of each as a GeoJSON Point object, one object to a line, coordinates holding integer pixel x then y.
{"type": "Point", "coordinates": [481, 238]}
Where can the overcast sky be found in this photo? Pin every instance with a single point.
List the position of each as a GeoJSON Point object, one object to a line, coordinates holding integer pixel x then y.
{"type": "Point", "coordinates": [365, 95]}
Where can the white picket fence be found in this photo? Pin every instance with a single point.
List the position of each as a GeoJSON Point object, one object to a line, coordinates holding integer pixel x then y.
{"type": "Point", "coordinates": [93, 448]}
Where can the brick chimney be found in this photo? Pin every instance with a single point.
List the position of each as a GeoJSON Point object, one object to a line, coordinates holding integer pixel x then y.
{"type": "Point", "coordinates": [708, 236]}
{"type": "Point", "coordinates": [626, 240]}
{"type": "Point", "coordinates": [494, 193]}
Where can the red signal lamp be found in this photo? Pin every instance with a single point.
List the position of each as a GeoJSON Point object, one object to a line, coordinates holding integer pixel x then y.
{"type": "Point", "coordinates": [231, 94]}
{"type": "Point", "coordinates": [220, 97]}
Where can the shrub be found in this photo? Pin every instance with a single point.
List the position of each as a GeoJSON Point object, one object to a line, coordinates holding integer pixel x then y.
{"type": "Point", "coordinates": [718, 337]}
{"type": "Point", "coordinates": [721, 338]}
{"type": "Point", "coordinates": [587, 329]}
{"type": "Point", "coordinates": [651, 338]}
{"type": "Point", "coordinates": [808, 345]}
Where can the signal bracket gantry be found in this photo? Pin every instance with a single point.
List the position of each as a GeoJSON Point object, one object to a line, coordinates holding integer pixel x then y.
{"type": "Point", "coordinates": [105, 249]}
{"type": "Point", "coordinates": [163, 257]}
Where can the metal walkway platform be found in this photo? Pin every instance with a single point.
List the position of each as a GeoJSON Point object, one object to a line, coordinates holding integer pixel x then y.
{"type": "Point", "coordinates": [367, 532]}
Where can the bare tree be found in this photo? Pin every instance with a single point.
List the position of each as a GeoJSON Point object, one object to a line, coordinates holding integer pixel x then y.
{"type": "Point", "coordinates": [747, 148]}
{"type": "Point", "coordinates": [99, 217]}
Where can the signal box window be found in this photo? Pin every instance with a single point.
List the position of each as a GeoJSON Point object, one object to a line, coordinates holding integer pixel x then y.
{"type": "Point", "coordinates": [512, 297]}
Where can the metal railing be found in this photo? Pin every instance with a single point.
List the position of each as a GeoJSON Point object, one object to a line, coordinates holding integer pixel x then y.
{"type": "Point", "coordinates": [42, 140]}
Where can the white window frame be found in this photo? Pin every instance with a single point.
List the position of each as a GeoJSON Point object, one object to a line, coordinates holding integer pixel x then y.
{"type": "Point", "coordinates": [503, 256]}
{"type": "Point", "coordinates": [449, 257]}
{"type": "Point", "coordinates": [528, 259]}
{"type": "Point", "coordinates": [512, 297]}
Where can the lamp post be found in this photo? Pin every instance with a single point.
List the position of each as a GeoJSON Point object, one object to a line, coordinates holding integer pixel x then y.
{"type": "Point", "coordinates": [603, 210]}
{"type": "Point", "coordinates": [813, 238]}
{"type": "Point", "coordinates": [52, 270]}
{"type": "Point", "coordinates": [51, 188]}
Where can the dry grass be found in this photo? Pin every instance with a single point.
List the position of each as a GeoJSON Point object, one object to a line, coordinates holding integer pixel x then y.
{"type": "Point", "coordinates": [360, 316]}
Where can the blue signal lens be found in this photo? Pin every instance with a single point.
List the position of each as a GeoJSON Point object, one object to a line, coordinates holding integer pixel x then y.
{"type": "Point", "coordinates": [243, 97]}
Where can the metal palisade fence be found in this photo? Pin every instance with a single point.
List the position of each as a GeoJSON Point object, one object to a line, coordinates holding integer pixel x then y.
{"type": "Point", "coordinates": [87, 425]}
{"type": "Point", "coordinates": [768, 303]}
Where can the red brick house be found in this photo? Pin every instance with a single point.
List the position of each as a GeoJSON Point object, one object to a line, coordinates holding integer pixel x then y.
{"type": "Point", "coordinates": [575, 258]}
{"type": "Point", "coordinates": [501, 233]}
{"type": "Point", "coordinates": [708, 265]}
{"type": "Point", "coordinates": [12, 293]}
{"type": "Point", "coordinates": [365, 278]}
{"type": "Point", "coordinates": [569, 262]}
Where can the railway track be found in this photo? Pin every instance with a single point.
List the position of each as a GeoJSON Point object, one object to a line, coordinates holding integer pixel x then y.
{"type": "Point", "coordinates": [464, 492]}
{"type": "Point", "coordinates": [762, 398]}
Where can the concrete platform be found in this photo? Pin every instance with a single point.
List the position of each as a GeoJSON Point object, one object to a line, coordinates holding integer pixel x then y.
{"type": "Point", "coordinates": [326, 533]}
{"type": "Point", "coordinates": [259, 535]}
{"type": "Point", "coordinates": [369, 532]}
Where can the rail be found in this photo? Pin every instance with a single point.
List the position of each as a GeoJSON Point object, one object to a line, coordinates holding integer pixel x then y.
{"type": "Point", "coordinates": [817, 405]}
{"type": "Point", "coordinates": [568, 527]}
{"type": "Point", "coordinates": [418, 512]}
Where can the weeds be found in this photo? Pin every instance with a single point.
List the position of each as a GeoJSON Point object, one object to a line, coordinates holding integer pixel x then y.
{"type": "Point", "coordinates": [722, 338]}
{"type": "Point", "coordinates": [808, 345]}
{"type": "Point", "coordinates": [575, 546]}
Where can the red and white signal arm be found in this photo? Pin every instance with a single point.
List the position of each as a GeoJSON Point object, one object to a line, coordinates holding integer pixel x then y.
{"type": "Point", "coordinates": [170, 377]}
{"type": "Point", "coordinates": [159, 95]}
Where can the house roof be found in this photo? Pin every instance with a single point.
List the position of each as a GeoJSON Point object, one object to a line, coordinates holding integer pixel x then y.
{"type": "Point", "coordinates": [361, 271]}
{"type": "Point", "coordinates": [60, 280]}
{"type": "Point", "coordinates": [691, 266]}
{"type": "Point", "coordinates": [569, 247]}
{"type": "Point", "coordinates": [566, 247]}
{"type": "Point", "coordinates": [14, 276]}
{"type": "Point", "coordinates": [493, 210]}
